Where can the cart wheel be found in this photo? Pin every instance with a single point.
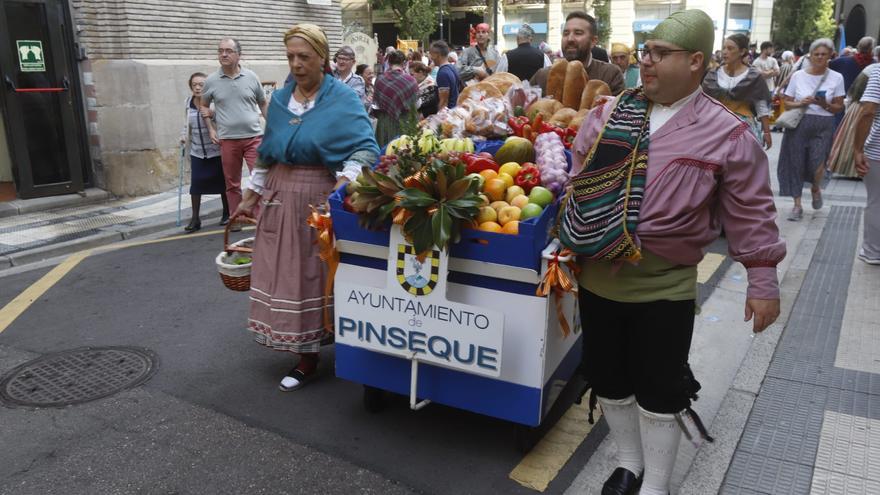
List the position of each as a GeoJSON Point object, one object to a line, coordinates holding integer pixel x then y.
{"type": "Point", "coordinates": [527, 437]}
{"type": "Point", "coordinates": [374, 399]}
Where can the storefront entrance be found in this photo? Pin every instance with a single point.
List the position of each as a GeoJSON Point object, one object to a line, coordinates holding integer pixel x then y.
{"type": "Point", "coordinates": [40, 99]}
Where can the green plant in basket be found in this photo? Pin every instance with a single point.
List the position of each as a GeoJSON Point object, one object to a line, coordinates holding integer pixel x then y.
{"type": "Point", "coordinates": [437, 199]}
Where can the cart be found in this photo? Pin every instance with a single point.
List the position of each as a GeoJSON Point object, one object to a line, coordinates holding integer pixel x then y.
{"type": "Point", "coordinates": [464, 328]}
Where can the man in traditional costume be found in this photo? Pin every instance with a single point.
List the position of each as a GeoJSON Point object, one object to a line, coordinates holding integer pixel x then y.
{"type": "Point", "coordinates": [638, 280]}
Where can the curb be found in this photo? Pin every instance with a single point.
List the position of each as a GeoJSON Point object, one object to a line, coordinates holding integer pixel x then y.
{"type": "Point", "coordinates": [709, 468]}
{"type": "Point", "coordinates": [107, 235]}
{"type": "Point", "coordinates": [90, 196]}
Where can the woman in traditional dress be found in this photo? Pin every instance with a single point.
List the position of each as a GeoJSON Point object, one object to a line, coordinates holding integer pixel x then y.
{"type": "Point", "coordinates": [428, 96]}
{"type": "Point", "coordinates": [395, 96]}
{"type": "Point", "coordinates": [741, 88]}
{"type": "Point", "coordinates": [818, 90]}
{"type": "Point", "coordinates": [317, 138]}
{"type": "Point", "coordinates": [840, 161]}
{"type": "Point", "coordinates": [206, 171]}
{"type": "Point", "coordinates": [785, 69]}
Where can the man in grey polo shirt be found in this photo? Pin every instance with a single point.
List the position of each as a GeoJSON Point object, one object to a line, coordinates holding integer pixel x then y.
{"type": "Point", "coordinates": [238, 102]}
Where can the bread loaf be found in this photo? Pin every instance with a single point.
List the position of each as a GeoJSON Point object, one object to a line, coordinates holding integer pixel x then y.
{"type": "Point", "coordinates": [593, 89]}
{"type": "Point", "coordinates": [503, 81]}
{"type": "Point", "coordinates": [556, 79]}
{"type": "Point", "coordinates": [544, 106]}
{"type": "Point", "coordinates": [563, 117]}
{"type": "Point", "coordinates": [578, 119]}
{"type": "Point", "coordinates": [575, 81]}
{"type": "Point", "coordinates": [489, 90]}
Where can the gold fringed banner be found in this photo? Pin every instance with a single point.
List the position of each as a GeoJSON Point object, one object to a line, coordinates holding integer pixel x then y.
{"type": "Point", "coordinates": [559, 282]}
{"type": "Point", "coordinates": [328, 254]}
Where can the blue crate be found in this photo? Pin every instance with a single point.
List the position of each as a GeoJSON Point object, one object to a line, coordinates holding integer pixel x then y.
{"type": "Point", "coordinates": [522, 250]}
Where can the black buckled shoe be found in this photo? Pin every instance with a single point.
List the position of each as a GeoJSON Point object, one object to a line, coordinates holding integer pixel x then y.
{"type": "Point", "coordinates": [622, 482]}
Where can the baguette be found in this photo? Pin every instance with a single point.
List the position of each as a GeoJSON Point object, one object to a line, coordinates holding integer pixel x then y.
{"type": "Point", "coordinates": [575, 81]}
{"type": "Point", "coordinates": [593, 89]}
{"type": "Point", "coordinates": [556, 79]}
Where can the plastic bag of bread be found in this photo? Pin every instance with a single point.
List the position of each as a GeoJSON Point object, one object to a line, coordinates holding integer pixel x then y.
{"type": "Point", "coordinates": [503, 81]}
{"type": "Point", "coordinates": [521, 96]}
{"type": "Point", "coordinates": [479, 91]}
{"type": "Point", "coordinates": [593, 89]}
{"type": "Point", "coordinates": [563, 117]}
{"type": "Point", "coordinates": [449, 122]}
{"type": "Point", "coordinates": [487, 117]}
{"type": "Point", "coordinates": [545, 106]}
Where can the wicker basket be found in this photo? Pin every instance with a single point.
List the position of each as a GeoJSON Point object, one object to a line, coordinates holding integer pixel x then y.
{"type": "Point", "coordinates": [236, 276]}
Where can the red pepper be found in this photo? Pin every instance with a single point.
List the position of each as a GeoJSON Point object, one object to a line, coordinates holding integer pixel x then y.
{"type": "Point", "coordinates": [517, 123]}
{"type": "Point", "coordinates": [480, 163]}
{"type": "Point", "coordinates": [528, 177]}
{"type": "Point", "coordinates": [537, 124]}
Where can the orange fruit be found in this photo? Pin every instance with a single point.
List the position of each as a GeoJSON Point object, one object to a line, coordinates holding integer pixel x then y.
{"type": "Point", "coordinates": [490, 227]}
{"type": "Point", "coordinates": [488, 174]}
{"type": "Point", "coordinates": [495, 189]}
{"type": "Point", "coordinates": [511, 227]}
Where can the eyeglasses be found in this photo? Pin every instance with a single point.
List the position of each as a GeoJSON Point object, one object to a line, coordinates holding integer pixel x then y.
{"type": "Point", "coordinates": [656, 54]}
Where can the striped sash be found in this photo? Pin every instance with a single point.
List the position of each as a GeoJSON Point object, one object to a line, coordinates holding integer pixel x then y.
{"type": "Point", "coordinates": [602, 208]}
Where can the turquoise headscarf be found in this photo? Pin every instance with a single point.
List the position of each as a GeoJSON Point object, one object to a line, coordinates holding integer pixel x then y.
{"type": "Point", "coordinates": [328, 134]}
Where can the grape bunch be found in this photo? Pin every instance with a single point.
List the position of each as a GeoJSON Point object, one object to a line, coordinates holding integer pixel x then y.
{"type": "Point", "coordinates": [385, 163]}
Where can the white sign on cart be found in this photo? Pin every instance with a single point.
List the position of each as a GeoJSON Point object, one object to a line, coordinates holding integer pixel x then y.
{"type": "Point", "coordinates": [411, 316]}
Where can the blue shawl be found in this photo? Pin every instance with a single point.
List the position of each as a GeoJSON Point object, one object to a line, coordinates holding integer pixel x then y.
{"type": "Point", "coordinates": [329, 134]}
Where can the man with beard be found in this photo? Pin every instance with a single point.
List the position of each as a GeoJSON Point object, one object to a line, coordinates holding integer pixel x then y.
{"type": "Point", "coordinates": [688, 167]}
{"type": "Point", "coordinates": [479, 61]}
{"type": "Point", "coordinates": [578, 37]}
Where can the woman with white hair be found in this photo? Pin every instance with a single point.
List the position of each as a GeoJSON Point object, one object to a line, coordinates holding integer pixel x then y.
{"type": "Point", "coordinates": [785, 67]}
{"type": "Point", "coordinates": [819, 91]}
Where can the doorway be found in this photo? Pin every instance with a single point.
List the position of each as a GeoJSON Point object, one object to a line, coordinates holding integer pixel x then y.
{"type": "Point", "coordinates": [42, 113]}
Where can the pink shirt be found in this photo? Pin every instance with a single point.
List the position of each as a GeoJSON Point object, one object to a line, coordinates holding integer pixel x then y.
{"type": "Point", "coordinates": [705, 170]}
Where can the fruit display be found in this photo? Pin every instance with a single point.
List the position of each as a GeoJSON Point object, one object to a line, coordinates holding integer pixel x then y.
{"type": "Point", "coordinates": [550, 158]}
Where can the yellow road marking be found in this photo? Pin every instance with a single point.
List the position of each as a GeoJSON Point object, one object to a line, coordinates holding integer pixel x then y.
{"type": "Point", "coordinates": [540, 466]}
{"type": "Point", "coordinates": [707, 267]}
{"type": "Point", "coordinates": [23, 301]}
{"type": "Point", "coordinates": [17, 306]}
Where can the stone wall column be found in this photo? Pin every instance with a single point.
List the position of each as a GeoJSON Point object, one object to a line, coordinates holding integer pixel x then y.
{"type": "Point", "coordinates": [555, 19]}
{"type": "Point", "coordinates": [623, 13]}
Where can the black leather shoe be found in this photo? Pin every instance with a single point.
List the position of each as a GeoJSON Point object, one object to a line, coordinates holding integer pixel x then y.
{"type": "Point", "coordinates": [224, 220]}
{"type": "Point", "coordinates": [193, 226]}
{"type": "Point", "coordinates": [622, 482]}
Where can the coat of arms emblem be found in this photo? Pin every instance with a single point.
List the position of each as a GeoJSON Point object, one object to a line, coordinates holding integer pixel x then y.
{"type": "Point", "coordinates": [418, 277]}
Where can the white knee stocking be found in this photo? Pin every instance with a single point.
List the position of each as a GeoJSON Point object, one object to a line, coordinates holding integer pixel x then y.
{"type": "Point", "coordinates": [660, 436]}
{"type": "Point", "coordinates": [623, 420]}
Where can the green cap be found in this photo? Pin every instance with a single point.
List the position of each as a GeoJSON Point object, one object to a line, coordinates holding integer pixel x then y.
{"type": "Point", "coordinates": [690, 29]}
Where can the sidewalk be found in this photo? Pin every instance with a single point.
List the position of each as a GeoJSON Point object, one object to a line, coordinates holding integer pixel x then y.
{"type": "Point", "coordinates": [92, 220]}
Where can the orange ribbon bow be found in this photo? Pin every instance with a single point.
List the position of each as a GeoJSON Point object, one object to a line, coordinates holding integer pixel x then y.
{"type": "Point", "coordinates": [328, 254]}
{"type": "Point", "coordinates": [558, 281]}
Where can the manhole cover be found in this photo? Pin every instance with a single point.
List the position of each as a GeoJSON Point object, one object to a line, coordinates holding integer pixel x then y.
{"type": "Point", "coordinates": [76, 376]}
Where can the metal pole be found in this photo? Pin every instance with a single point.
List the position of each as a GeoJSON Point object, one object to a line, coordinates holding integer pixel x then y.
{"type": "Point", "coordinates": [441, 20]}
{"type": "Point", "coordinates": [726, 12]}
{"type": "Point", "coordinates": [414, 385]}
{"type": "Point", "coordinates": [180, 181]}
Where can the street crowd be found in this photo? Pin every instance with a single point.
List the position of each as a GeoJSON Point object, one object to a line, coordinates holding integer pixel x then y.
{"type": "Point", "coordinates": [689, 125]}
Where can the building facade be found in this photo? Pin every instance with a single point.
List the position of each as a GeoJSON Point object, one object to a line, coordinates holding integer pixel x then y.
{"type": "Point", "coordinates": [631, 20]}
{"type": "Point", "coordinates": [862, 18]}
{"type": "Point", "coordinates": [102, 104]}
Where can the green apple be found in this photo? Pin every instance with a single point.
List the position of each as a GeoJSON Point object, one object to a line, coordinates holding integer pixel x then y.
{"type": "Point", "coordinates": [540, 196]}
{"type": "Point", "coordinates": [531, 210]}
